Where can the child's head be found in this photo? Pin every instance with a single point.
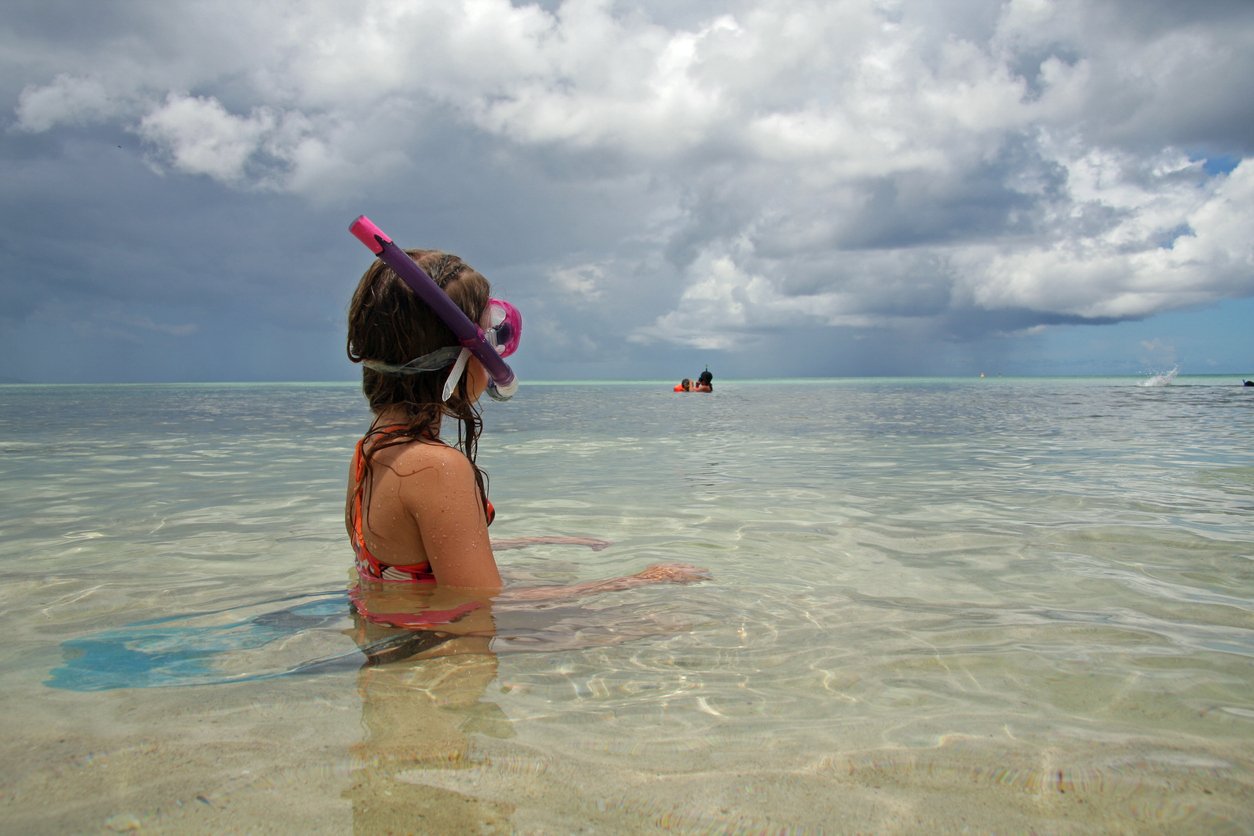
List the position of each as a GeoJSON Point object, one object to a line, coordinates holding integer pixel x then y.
{"type": "Point", "coordinates": [390, 325]}
{"type": "Point", "coordinates": [686, 384]}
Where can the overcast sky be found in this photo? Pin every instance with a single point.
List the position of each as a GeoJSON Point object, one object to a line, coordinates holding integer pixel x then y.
{"type": "Point", "coordinates": [782, 188]}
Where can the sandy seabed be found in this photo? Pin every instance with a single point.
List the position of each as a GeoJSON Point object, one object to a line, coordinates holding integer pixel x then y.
{"type": "Point", "coordinates": [418, 750]}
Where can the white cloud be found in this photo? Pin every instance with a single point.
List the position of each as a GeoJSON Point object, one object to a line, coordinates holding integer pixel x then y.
{"type": "Point", "coordinates": [66, 100]}
{"type": "Point", "coordinates": [1170, 246]}
{"type": "Point", "coordinates": [200, 137]}
{"type": "Point", "coordinates": [583, 282]}
{"type": "Point", "coordinates": [267, 149]}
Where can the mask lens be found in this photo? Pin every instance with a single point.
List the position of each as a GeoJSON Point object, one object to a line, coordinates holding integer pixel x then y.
{"type": "Point", "coordinates": [504, 326]}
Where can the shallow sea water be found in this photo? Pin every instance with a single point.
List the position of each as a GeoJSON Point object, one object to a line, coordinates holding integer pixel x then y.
{"type": "Point", "coordinates": [935, 605]}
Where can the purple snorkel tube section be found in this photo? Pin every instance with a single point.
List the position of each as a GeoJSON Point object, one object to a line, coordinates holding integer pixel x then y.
{"type": "Point", "coordinates": [469, 334]}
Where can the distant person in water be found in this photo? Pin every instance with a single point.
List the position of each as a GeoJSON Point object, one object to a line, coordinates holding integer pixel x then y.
{"type": "Point", "coordinates": [703, 383]}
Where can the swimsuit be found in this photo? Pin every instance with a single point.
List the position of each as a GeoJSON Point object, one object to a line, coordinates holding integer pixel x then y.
{"type": "Point", "coordinates": [369, 566]}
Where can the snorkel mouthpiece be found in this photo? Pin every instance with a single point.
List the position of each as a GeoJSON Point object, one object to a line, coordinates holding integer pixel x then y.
{"type": "Point", "coordinates": [502, 381]}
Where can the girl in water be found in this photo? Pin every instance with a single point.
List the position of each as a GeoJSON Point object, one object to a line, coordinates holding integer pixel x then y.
{"type": "Point", "coordinates": [417, 508]}
{"type": "Point", "coordinates": [417, 513]}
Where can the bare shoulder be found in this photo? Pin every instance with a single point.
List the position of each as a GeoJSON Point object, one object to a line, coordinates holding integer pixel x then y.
{"type": "Point", "coordinates": [428, 461]}
{"type": "Point", "coordinates": [435, 477]}
{"type": "Point", "coordinates": [443, 497]}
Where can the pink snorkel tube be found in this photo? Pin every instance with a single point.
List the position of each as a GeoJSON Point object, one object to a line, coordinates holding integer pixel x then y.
{"type": "Point", "coordinates": [503, 383]}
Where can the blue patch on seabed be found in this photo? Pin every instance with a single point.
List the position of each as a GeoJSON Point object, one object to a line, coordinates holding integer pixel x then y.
{"type": "Point", "coordinates": [181, 650]}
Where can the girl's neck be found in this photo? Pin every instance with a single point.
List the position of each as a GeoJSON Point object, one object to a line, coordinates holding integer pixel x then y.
{"type": "Point", "coordinates": [394, 415]}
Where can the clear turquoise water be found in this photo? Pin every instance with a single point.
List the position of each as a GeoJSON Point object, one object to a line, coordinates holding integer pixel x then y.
{"type": "Point", "coordinates": [1018, 603]}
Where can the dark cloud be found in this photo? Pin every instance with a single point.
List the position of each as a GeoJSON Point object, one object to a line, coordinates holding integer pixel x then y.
{"type": "Point", "coordinates": [794, 188]}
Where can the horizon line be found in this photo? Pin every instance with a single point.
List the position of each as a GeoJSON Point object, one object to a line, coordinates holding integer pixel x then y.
{"type": "Point", "coordinates": [635, 380]}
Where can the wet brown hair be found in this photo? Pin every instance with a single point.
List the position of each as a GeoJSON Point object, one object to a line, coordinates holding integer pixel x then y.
{"type": "Point", "coordinates": [388, 322]}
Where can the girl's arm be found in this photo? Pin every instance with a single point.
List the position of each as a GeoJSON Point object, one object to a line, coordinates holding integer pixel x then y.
{"type": "Point", "coordinates": [657, 573]}
{"type": "Point", "coordinates": [444, 499]}
{"type": "Point", "coordinates": [556, 540]}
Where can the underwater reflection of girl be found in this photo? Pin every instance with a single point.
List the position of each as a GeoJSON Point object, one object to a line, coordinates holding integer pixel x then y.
{"type": "Point", "coordinates": [395, 622]}
{"type": "Point", "coordinates": [431, 655]}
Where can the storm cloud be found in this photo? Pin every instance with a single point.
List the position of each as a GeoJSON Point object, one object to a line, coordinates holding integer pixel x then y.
{"type": "Point", "coordinates": [860, 186]}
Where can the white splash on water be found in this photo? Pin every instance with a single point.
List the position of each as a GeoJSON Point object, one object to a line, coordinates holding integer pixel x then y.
{"type": "Point", "coordinates": [1162, 379]}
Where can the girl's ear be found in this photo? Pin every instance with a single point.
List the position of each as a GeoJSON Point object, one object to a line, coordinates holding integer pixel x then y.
{"type": "Point", "coordinates": [476, 379]}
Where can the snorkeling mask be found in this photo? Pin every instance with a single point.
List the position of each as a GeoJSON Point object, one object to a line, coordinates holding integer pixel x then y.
{"type": "Point", "coordinates": [503, 334]}
{"type": "Point", "coordinates": [500, 340]}
{"type": "Point", "coordinates": [504, 327]}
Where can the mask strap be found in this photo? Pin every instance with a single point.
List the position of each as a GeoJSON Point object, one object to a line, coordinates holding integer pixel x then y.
{"type": "Point", "coordinates": [433, 362]}
{"type": "Point", "coordinates": [459, 367]}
